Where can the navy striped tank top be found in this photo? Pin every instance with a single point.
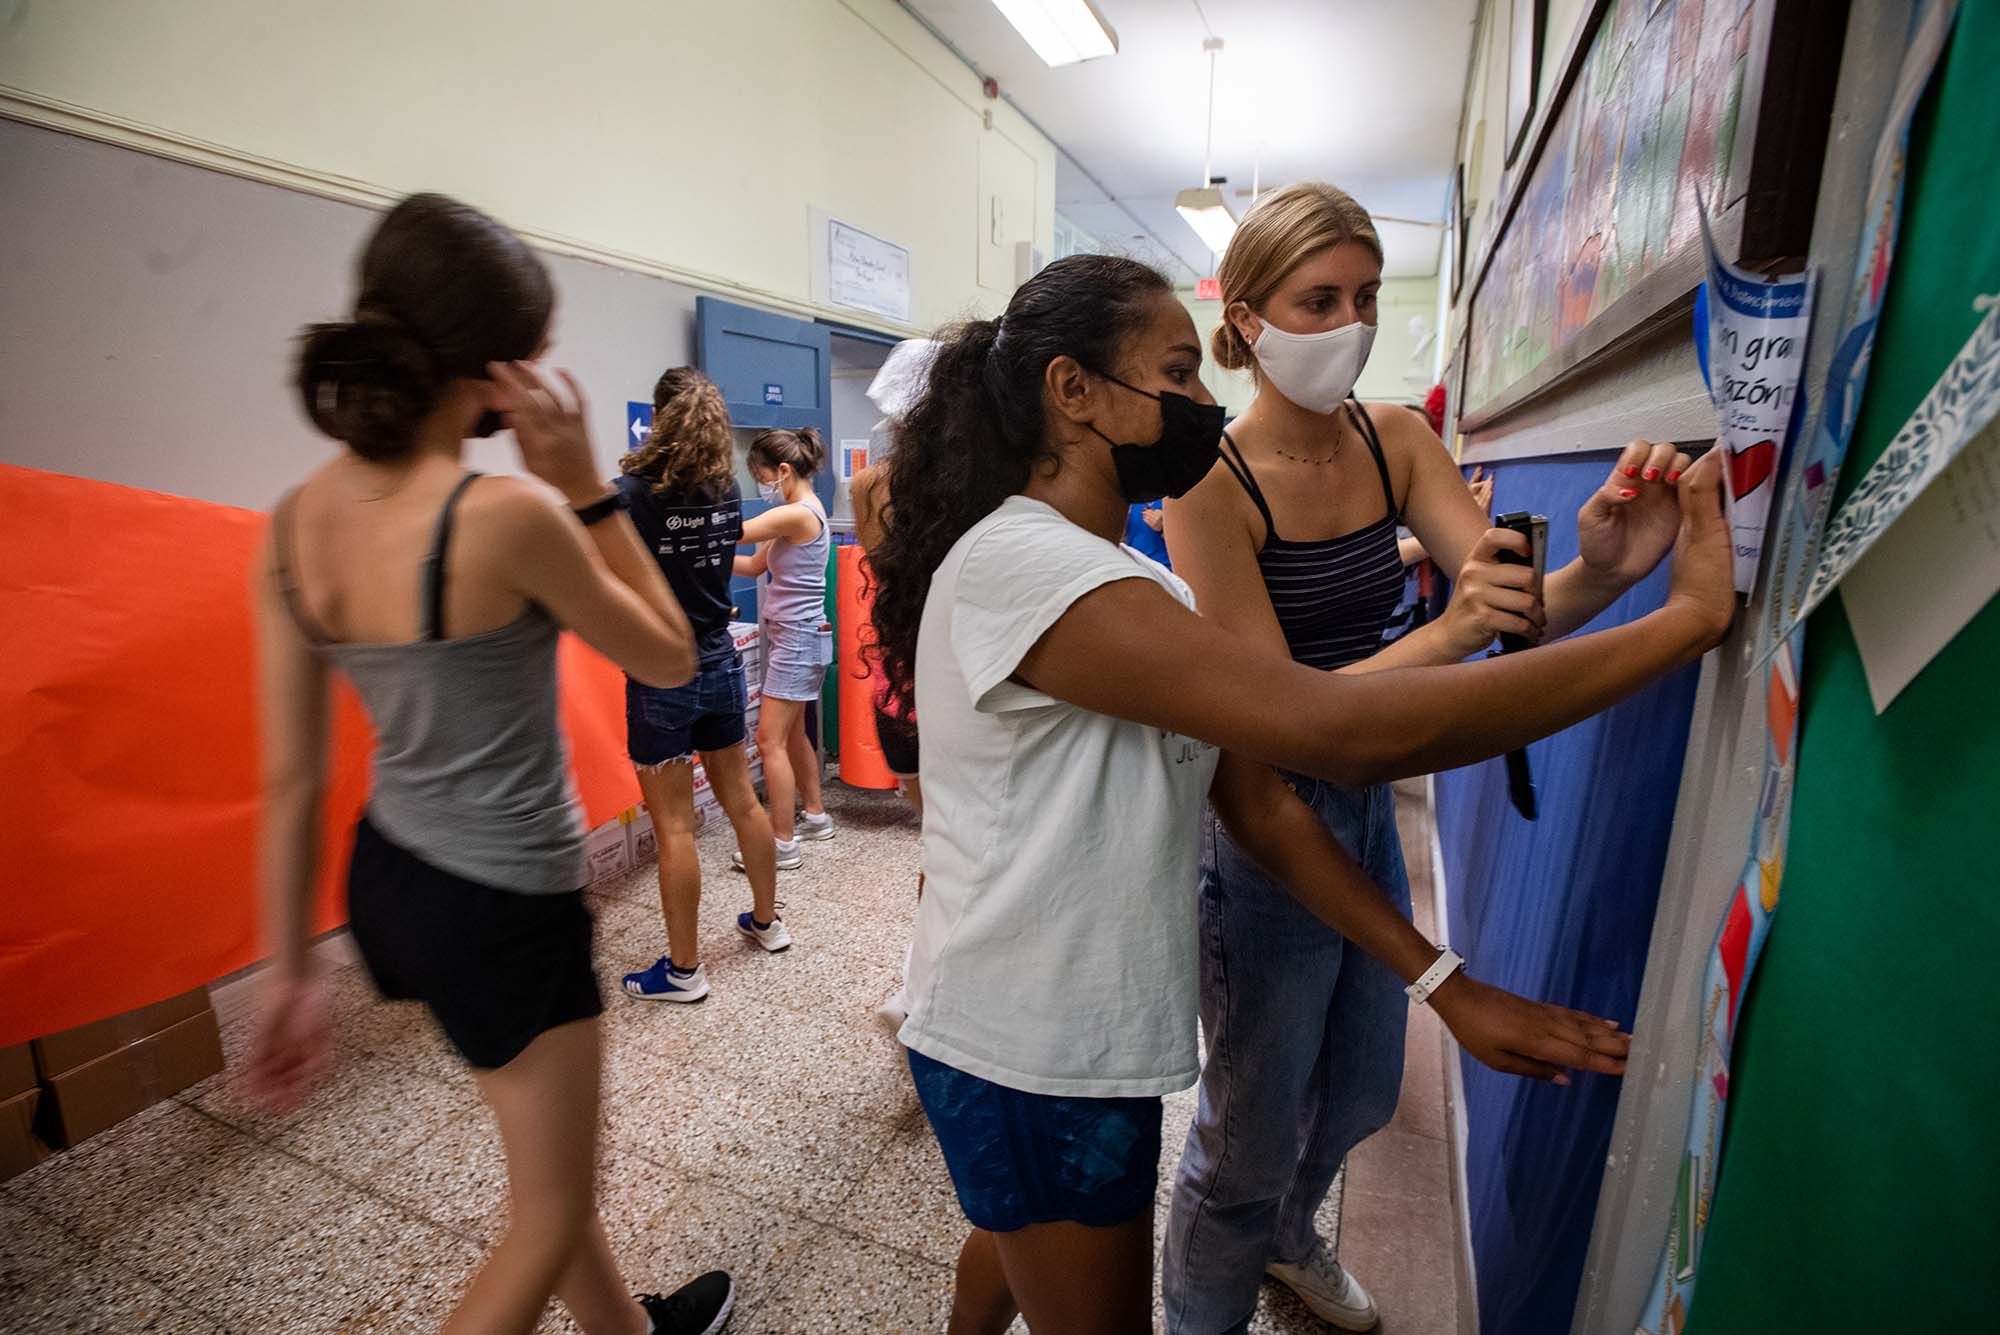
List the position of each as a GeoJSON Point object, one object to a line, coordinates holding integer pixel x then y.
{"type": "Point", "coordinates": [1334, 596]}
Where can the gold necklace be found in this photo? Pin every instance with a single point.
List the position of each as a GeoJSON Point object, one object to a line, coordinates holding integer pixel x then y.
{"type": "Point", "coordinates": [1338, 442]}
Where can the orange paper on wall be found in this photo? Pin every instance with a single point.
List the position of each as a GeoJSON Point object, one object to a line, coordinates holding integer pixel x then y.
{"type": "Point", "coordinates": [128, 750]}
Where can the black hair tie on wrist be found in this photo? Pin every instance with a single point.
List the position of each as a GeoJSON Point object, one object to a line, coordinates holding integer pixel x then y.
{"type": "Point", "coordinates": [599, 510]}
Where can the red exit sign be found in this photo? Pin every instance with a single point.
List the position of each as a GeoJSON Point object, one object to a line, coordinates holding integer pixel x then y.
{"type": "Point", "coordinates": [1208, 289]}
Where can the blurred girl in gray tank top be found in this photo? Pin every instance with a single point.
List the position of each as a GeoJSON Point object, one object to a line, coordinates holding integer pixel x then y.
{"type": "Point", "coordinates": [439, 594]}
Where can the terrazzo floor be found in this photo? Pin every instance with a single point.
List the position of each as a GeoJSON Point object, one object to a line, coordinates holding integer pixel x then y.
{"type": "Point", "coordinates": [770, 1130]}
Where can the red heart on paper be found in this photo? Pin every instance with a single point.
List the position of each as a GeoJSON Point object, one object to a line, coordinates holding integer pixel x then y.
{"type": "Point", "coordinates": [1749, 469]}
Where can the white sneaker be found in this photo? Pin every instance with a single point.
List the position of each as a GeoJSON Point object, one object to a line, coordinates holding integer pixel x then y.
{"type": "Point", "coordinates": [1334, 1296]}
{"type": "Point", "coordinates": [789, 857]}
{"type": "Point", "coordinates": [813, 826]}
{"type": "Point", "coordinates": [773, 938]}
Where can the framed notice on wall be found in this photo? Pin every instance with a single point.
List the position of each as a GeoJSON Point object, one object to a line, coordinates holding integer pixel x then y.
{"type": "Point", "coordinates": [866, 273]}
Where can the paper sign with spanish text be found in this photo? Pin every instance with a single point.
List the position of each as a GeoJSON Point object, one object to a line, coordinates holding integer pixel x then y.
{"type": "Point", "coordinates": [1750, 336]}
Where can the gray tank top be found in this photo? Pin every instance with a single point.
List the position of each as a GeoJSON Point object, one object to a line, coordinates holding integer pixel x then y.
{"type": "Point", "coordinates": [471, 773]}
{"type": "Point", "coordinates": [797, 593]}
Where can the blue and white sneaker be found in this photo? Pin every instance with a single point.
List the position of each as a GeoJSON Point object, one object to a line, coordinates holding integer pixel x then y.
{"type": "Point", "coordinates": [663, 982]}
{"type": "Point", "coordinates": [773, 938]}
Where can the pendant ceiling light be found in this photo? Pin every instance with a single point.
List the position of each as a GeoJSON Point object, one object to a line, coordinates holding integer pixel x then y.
{"type": "Point", "coordinates": [1205, 208]}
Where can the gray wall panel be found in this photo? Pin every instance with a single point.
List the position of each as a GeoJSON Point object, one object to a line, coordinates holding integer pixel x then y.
{"type": "Point", "coordinates": [147, 311]}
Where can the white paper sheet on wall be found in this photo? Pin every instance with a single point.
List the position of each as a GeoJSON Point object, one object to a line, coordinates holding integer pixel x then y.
{"type": "Point", "coordinates": [1930, 573]}
{"type": "Point", "coordinates": [1959, 407]}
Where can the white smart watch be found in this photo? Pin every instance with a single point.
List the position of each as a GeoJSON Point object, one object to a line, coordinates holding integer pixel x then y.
{"type": "Point", "coordinates": [1448, 963]}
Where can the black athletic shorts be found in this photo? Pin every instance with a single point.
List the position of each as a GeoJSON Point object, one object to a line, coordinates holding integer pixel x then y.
{"type": "Point", "coordinates": [899, 743]}
{"type": "Point", "coordinates": [497, 968]}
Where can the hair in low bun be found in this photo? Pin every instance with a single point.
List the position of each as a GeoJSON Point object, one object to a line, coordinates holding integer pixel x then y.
{"type": "Point", "coordinates": [444, 291]}
{"type": "Point", "coordinates": [368, 384]}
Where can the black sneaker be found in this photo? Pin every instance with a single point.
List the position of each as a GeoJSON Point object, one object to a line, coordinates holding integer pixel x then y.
{"type": "Point", "coordinates": [699, 1307]}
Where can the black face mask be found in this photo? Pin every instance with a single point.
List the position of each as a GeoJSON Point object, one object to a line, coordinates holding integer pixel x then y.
{"type": "Point", "coordinates": [1190, 442]}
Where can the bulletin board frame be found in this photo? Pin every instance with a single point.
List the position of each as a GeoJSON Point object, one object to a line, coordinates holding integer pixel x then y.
{"type": "Point", "coordinates": [1591, 254]}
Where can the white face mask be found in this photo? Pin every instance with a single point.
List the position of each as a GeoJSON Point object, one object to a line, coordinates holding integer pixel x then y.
{"type": "Point", "coordinates": [1315, 371]}
{"type": "Point", "coordinates": [772, 492]}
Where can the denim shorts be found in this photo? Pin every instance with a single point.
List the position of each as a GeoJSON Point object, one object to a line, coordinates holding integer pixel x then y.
{"type": "Point", "coordinates": [665, 724]}
{"type": "Point", "coordinates": [1018, 1158]}
{"type": "Point", "coordinates": [795, 659]}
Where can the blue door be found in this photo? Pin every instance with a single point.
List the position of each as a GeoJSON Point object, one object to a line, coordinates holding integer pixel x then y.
{"type": "Point", "coordinates": [773, 371]}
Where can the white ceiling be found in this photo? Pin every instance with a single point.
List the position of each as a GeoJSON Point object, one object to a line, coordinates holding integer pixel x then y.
{"type": "Point", "coordinates": [1363, 93]}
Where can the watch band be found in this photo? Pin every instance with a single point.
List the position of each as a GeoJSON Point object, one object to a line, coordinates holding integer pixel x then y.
{"type": "Point", "coordinates": [1448, 963]}
{"type": "Point", "coordinates": [600, 510]}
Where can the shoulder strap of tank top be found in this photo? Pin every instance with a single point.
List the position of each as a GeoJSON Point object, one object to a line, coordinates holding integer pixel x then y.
{"type": "Point", "coordinates": [1232, 455]}
{"type": "Point", "coordinates": [435, 561]}
{"type": "Point", "coordinates": [281, 568]}
{"type": "Point", "coordinates": [1359, 416]}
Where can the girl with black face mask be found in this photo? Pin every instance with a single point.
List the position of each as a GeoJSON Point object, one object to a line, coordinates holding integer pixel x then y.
{"type": "Point", "coordinates": [1076, 713]}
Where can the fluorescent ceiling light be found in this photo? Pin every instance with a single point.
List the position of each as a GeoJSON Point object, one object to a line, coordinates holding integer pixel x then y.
{"type": "Point", "coordinates": [1205, 210]}
{"type": "Point", "coordinates": [1061, 31]}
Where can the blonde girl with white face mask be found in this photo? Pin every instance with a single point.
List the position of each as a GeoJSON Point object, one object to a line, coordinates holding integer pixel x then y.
{"type": "Point", "coordinates": [1293, 546]}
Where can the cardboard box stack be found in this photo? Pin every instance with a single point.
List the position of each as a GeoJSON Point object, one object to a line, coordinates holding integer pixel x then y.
{"type": "Point", "coordinates": [97, 1075]}
{"type": "Point", "coordinates": [750, 646]}
{"type": "Point", "coordinates": [607, 851]}
{"type": "Point", "coordinates": [20, 1148]}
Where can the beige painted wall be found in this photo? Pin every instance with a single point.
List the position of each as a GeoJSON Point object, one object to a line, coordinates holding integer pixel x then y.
{"type": "Point", "coordinates": [687, 138]}
{"type": "Point", "coordinates": [1232, 389]}
{"type": "Point", "coordinates": [1395, 361]}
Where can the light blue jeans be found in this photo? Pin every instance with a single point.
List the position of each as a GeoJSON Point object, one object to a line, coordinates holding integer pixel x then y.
{"type": "Point", "coordinates": [1305, 1060]}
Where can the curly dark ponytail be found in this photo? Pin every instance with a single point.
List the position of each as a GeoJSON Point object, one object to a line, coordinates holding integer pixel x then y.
{"type": "Point", "coordinates": [691, 443]}
{"type": "Point", "coordinates": [978, 433]}
{"type": "Point", "coordinates": [445, 289]}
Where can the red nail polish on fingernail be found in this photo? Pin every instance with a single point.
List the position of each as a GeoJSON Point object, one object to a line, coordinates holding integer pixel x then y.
{"type": "Point", "coordinates": [1652, 475]}
{"type": "Point", "coordinates": [1632, 470]}
{"type": "Point", "coordinates": [1674, 476]}
{"type": "Point", "coordinates": [1628, 493]}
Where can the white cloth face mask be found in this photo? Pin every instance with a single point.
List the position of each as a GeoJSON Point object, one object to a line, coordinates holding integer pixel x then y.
{"type": "Point", "coordinates": [1315, 371]}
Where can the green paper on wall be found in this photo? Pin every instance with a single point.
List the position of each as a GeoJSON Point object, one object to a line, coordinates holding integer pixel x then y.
{"type": "Point", "coordinates": [1861, 1175]}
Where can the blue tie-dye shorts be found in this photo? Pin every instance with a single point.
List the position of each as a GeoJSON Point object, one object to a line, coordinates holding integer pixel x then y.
{"type": "Point", "coordinates": [1018, 1158]}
